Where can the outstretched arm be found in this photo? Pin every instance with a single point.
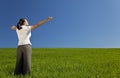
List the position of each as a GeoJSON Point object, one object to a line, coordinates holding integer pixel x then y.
{"type": "Point", "coordinates": [41, 22]}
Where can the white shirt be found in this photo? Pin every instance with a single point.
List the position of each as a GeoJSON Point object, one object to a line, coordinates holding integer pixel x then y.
{"type": "Point", "coordinates": [24, 35]}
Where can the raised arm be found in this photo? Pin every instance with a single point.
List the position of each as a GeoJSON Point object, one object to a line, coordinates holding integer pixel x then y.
{"type": "Point", "coordinates": [41, 22]}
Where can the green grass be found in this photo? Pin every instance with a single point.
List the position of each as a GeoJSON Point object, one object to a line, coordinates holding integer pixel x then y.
{"type": "Point", "coordinates": [65, 63]}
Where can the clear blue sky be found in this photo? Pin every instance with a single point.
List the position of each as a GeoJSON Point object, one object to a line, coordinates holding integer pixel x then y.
{"type": "Point", "coordinates": [76, 23]}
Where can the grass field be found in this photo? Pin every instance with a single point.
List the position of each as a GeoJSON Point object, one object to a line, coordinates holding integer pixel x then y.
{"type": "Point", "coordinates": [65, 63]}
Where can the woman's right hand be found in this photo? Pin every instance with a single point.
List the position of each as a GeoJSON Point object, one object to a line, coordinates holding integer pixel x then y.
{"type": "Point", "coordinates": [49, 18]}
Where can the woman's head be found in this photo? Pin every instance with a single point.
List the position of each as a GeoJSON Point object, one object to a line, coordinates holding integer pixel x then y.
{"type": "Point", "coordinates": [21, 22]}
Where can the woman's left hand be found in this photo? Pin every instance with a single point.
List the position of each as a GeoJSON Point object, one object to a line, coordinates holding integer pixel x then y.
{"type": "Point", "coordinates": [13, 27]}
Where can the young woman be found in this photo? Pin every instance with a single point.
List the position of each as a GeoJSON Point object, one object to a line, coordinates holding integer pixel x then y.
{"type": "Point", "coordinates": [24, 50]}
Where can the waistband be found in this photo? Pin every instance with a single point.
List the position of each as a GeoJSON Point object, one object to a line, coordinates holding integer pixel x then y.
{"type": "Point", "coordinates": [25, 45]}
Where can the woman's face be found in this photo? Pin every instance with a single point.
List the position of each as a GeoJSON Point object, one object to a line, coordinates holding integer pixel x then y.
{"type": "Point", "coordinates": [26, 22]}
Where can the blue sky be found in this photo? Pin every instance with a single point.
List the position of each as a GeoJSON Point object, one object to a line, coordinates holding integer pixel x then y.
{"type": "Point", "coordinates": [76, 23]}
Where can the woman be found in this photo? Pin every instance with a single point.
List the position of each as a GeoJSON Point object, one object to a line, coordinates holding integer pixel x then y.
{"type": "Point", "coordinates": [23, 62]}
